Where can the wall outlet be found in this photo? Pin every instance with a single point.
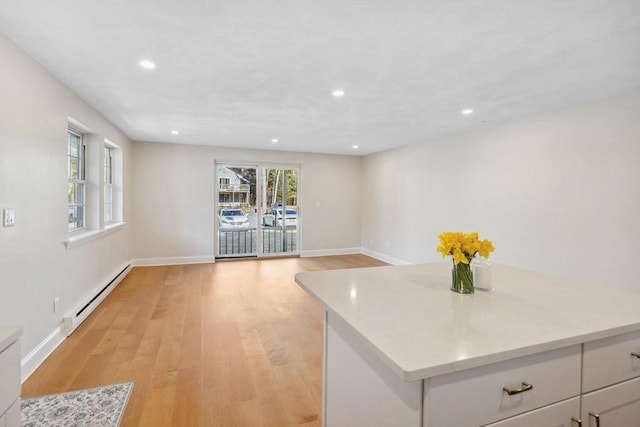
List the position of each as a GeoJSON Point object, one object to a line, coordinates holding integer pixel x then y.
{"type": "Point", "coordinates": [56, 304]}
{"type": "Point", "coordinates": [8, 217]}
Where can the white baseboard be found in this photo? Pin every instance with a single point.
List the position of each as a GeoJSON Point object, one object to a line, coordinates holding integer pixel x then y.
{"type": "Point", "coordinates": [43, 350]}
{"type": "Point", "coordinates": [38, 355]}
{"type": "Point", "coordinates": [329, 252]}
{"type": "Point", "coordinates": [141, 262]}
{"type": "Point", "coordinates": [350, 251]}
{"type": "Point", "coordinates": [83, 310]}
{"type": "Point", "coordinates": [382, 257]}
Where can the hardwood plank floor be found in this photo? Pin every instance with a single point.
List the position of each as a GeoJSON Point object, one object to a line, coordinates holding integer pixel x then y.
{"type": "Point", "coordinates": [233, 343]}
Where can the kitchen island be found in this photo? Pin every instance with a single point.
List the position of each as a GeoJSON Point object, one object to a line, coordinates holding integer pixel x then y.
{"type": "Point", "coordinates": [401, 349]}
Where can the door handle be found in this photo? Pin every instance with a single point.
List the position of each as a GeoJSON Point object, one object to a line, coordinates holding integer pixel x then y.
{"type": "Point", "coordinates": [597, 417]}
{"type": "Point", "coordinates": [575, 420]}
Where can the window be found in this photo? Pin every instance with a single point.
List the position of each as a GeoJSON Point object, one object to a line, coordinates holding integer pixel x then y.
{"type": "Point", "coordinates": [95, 185]}
{"type": "Point", "coordinates": [108, 184]}
{"type": "Point", "coordinates": [111, 183]}
{"type": "Point", "coordinates": [76, 166]}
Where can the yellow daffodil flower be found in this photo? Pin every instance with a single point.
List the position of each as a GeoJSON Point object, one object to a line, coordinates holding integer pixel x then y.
{"type": "Point", "coordinates": [463, 246]}
{"type": "Point", "coordinates": [485, 248]}
{"type": "Point", "coordinates": [460, 257]}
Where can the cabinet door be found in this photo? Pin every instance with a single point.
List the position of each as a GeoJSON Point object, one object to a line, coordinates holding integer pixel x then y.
{"type": "Point", "coordinates": [557, 415]}
{"type": "Point", "coordinates": [544, 379]}
{"type": "Point", "coordinates": [618, 405]}
{"type": "Point", "coordinates": [610, 361]}
{"type": "Point", "coordinates": [10, 381]}
{"type": "Point", "coordinates": [12, 417]}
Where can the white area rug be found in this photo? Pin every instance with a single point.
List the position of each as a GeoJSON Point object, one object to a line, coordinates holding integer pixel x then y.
{"type": "Point", "coordinates": [95, 407]}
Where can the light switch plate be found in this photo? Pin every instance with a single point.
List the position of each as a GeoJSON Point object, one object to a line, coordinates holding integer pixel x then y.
{"type": "Point", "coordinates": [8, 217]}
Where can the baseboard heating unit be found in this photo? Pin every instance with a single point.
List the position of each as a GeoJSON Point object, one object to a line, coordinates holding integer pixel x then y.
{"type": "Point", "coordinates": [78, 315]}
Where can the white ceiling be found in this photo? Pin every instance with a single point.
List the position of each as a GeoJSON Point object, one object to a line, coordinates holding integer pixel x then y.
{"type": "Point", "coordinates": [239, 73]}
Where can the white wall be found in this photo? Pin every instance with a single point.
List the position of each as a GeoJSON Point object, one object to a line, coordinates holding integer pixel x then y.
{"type": "Point", "coordinates": [174, 200]}
{"type": "Point", "coordinates": [35, 266]}
{"type": "Point", "coordinates": [559, 192]}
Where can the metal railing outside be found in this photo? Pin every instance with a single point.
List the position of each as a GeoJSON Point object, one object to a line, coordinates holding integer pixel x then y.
{"type": "Point", "coordinates": [244, 242]}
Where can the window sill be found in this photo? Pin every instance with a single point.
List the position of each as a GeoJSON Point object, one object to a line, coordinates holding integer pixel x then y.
{"type": "Point", "coordinates": [87, 236]}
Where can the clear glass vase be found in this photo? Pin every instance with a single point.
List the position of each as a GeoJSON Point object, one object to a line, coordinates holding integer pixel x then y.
{"type": "Point", "coordinates": [462, 278]}
{"type": "Point", "coordinates": [482, 274]}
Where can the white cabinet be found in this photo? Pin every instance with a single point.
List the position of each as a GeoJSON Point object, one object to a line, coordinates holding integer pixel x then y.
{"type": "Point", "coordinates": [548, 388]}
{"type": "Point", "coordinates": [12, 417]}
{"type": "Point", "coordinates": [614, 406]}
{"type": "Point", "coordinates": [611, 360]}
{"type": "Point", "coordinates": [359, 390]}
{"type": "Point", "coordinates": [610, 392]}
{"type": "Point", "coordinates": [563, 414]}
{"type": "Point", "coordinates": [402, 350]}
{"type": "Point", "coordinates": [611, 381]}
{"type": "Point", "coordinates": [534, 381]}
{"type": "Point", "coordinates": [10, 381]}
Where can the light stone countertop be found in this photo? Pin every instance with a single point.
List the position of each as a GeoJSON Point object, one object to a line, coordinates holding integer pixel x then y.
{"type": "Point", "coordinates": [419, 328]}
{"type": "Point", "coordinates": [9, 335]}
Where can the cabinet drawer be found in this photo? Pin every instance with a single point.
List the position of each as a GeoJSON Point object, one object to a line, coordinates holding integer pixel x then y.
{"type": "Point", "coordinates": [617, 405]}
{"type": "Point", "coordinates": [556, 415]}
{"type": "Point", "coordinates": [9, 376]}
{"type": "Point", "coordinates": [554, 376]}
{"type": "Point", "coordinates": [609, 361]}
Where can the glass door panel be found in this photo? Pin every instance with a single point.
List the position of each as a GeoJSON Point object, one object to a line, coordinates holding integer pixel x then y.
{"type": "Point", "coordinates": [236, 211]}
{"type": "Point", "coordinates": [279, 212]}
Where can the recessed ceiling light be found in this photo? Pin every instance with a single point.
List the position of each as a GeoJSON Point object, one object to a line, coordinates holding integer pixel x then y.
{"type": "Point", "coordinates": [147, 64]}
{"type": "Point", "coordinates": [355, 147]}
{"type": "Point", "coordinates": [175, 132]}
{"type": "Point", "coordinates": [467, 112]}
{"type": "Point", "coordinates": [338, 93]}
{"type": "Point", "coordinates": [274, 140]}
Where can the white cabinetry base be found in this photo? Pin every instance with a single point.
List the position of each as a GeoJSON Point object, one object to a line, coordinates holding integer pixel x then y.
{"type": "Point", "coordinates": [360, 391]}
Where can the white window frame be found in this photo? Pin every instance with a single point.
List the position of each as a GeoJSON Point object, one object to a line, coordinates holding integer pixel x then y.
{"type": "Point", "coordinates": [77, 185]}
{"type": "Point", "coordinates": [107, 213]}
{"type": "Point", "coordinates": [96, 222]}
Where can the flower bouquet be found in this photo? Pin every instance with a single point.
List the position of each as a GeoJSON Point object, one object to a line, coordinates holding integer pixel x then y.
{"type": "Point", "coordinates": [463, 247]}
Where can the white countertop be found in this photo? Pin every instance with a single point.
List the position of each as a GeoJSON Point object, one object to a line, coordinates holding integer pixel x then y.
{"type": "Point", "coordinates": [419, 328]}
{"type": "Point", "coordinates": [9, 335]}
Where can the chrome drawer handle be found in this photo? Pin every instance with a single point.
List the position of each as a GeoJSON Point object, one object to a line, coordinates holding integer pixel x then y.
{"type": "Point", "coordinates": [636, 355]}
{"type": "Point", "coordinates": [597, 417]}
{"type": "Point", "coordinates": [525, 387]}
{"type": "Point", "coordinates": [575, 420]}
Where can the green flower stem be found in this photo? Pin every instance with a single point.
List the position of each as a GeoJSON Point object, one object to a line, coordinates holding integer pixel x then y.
{"type": "Point", "coordinates": [462, 278]}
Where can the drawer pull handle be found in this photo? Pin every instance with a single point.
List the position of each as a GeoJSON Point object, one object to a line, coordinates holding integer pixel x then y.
{"type": "Point", "coordinates": [597, 417]}
{"type": "Point", "coordinates": [525, 387]}
{"type": "Point", "coordinates": [575, 420]}
{"type": "Point", "coordinates": [636, 355]}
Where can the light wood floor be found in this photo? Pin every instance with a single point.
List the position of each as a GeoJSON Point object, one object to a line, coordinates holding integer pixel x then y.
{"type": "Point", "coordinates": [227, 344]}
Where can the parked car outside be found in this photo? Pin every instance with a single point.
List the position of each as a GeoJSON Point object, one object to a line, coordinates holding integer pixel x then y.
{"type": "Point", "coordinates": [274, 217]}
{"type": "Point", "coordinates": [233, 219]}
